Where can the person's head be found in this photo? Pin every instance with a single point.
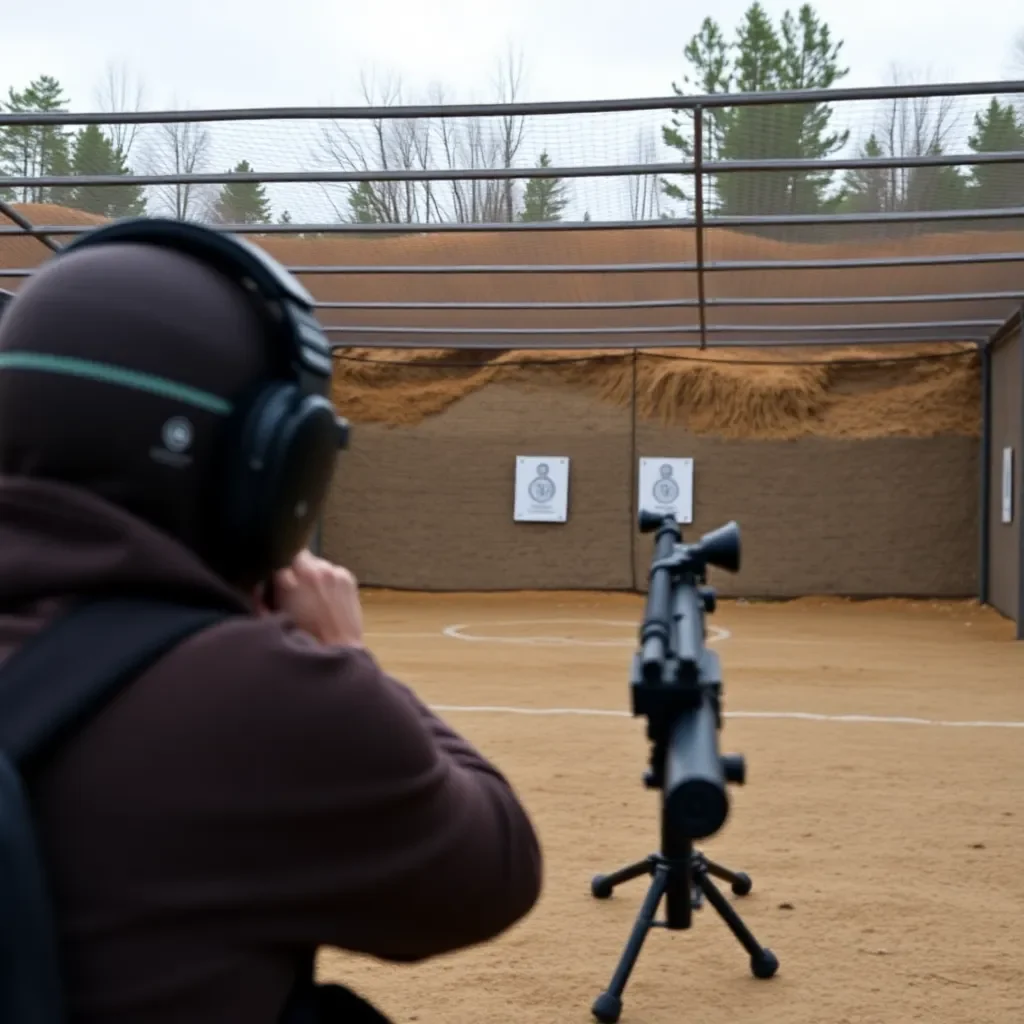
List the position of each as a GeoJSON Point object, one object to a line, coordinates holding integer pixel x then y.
{"type": "Point", "coordinates": [180, 375]}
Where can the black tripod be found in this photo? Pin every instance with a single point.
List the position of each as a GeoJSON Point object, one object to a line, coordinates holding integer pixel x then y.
{"type": "Point", "coordinates": [684, 883]}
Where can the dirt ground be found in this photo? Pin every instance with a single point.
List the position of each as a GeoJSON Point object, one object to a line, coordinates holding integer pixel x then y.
{"type": "Point", "coordinates": [882, 820]}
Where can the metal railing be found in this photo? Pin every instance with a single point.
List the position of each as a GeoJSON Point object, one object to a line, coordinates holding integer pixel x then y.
{"type": "Point", "coordinates": [993, 304]}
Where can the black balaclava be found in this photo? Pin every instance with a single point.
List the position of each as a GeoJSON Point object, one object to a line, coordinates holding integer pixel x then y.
{"type": "Point", "coordinates": [118, 366]}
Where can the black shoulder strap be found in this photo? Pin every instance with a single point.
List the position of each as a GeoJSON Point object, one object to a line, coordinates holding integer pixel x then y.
{"type": "Point", "coordinates": [52, 685]}
{"type": "Point", "coordinates": [63, 676]}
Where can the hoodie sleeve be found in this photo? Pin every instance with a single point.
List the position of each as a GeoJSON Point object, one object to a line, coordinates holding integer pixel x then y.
{"type": "Point", "coordinates": [358, 818]}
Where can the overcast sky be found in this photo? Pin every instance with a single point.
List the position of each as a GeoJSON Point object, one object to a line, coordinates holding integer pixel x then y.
{"type": "Point", "coordinates": [209, 53]}
{"type": "Point", "coordinates": [257, 53]}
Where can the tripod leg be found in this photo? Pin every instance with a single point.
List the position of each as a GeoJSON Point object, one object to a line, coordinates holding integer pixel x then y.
{"type": "Point", "coordinates": [601, 885]}
{"type": "Point", "coordinates": [740, 882]}
{"type": "Point", "coordinates": [763, 962]}
{"type": "Point", "coordinates": [608, 1005]}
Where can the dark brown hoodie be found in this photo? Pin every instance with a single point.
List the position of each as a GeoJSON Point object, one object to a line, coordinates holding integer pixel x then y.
{"type": "Point", "coordinates": [253, 796]}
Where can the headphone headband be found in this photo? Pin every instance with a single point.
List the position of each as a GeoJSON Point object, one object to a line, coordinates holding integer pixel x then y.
{"type": "Point", "coordinates": [290, 306]}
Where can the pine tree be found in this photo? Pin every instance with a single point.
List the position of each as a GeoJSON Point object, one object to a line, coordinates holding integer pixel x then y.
{"type": "Point", "coordinates": [36, 150]}
{"type": "Point", "coordinates": [242, 202]}
{"type": "Point", "coordinates": [95, 154]}
{"type": "Point", "coordinates": [544, 199]}
{"type": "Point", "coordinates": [810, 60]}
{"type": "Point", "coordinates": [364, 205]}
{"type": "Point", "coordinates": [894, 189]}
{"type": "Point", "coordinates": [798, 54]}
{"type": "Point", "coordinates": [935, 188]}
{"type": "Point", "coordinates": [868, 189]}
{"type": "Point", "coordinates": [1000, 129]}
{"type": "Point", "coordinates": [908, 128]}
{"type": "Point", "coordinates": [708, 54]}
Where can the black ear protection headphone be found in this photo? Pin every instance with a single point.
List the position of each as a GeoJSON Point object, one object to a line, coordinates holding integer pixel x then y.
{"type": "Point", "coordinates": [283, 443]}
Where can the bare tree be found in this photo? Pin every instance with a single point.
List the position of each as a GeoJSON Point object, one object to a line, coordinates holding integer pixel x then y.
{"type": "Point", "coordinates": [508, 82]}
{"type": "Point", "coordinates": [119, 93]}
{"type": "Point", "coordinates": [426, 143]}
{"type": "Point", "coordinates": [915, 127]}
{"type": "Point", "coordinates": [182, 148]}
{"type": "Point", "coordinates": [644, 189]}
{"type": "Point", "coordinates": [479, 143]}
{"type": "Point", "coordinates": [385, 144]}
{"type": "Point", "coordinates": [470, 143]}
{"type": "Point", "coordinates": [1017, 66]}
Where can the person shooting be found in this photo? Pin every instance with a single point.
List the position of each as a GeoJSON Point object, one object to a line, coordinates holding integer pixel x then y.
{"type": "Point", "coordinates": [261, 786]}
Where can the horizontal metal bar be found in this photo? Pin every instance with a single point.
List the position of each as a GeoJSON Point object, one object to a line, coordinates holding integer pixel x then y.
{"type": "Point", "coordinates": [340, 177]}
{"type": "Point", "coordinates": [950, 260]}
{"type": "Point", "coordinates": [712, 101]}
{"type": "Point", "coordinates": [441, 227]}
{"type": "Point", "coordinates": [644, 268]}
{"type": "Point", "coordinates": [628, 344]}
{"type": "Point", "coordinates": [870, 300]}
{"type": "Point", "coordinates": [724, 266]}
{"type": "Point", "coordinates": [828, 219]}
{"type": "Point", "coordinates": [723, 303]}
{"type": "Point", "coordinates": [497, 268]}
{"type": "Point", "coordinates": [674, 329]}
{"type": "Point", "coordinates": [755, 302]}
{"type": "Point", "coordinates": [861, 163]}
{"type": "Point", "coordinates": [504, 173]}
{"type": "Point", "coordinates": [508, 268]}
{"type": "Point", "coordinates": [418, 228]}
{"type": "Point", "coordinates": [516, 331]}
{"type": "Point", "coordinates": [524, 306]}
{"type": "Point", "coordinates": [784, 97]}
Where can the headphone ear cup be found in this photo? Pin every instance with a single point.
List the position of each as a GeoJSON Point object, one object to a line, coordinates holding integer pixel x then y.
{"type": "Point", "coordinates": [304, 463]}
{"type": "Point", "coordinates": [277, 483]}
{"type": "Point", "coordinates": [238, 511]}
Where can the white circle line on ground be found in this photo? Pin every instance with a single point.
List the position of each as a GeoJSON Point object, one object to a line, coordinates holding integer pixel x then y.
{"type": "Point", "coordinates": [801, 716]}
{"type": "Point", "coordinates": [398, 634]}
{"type": "Point", "coordinates": [457, 632]}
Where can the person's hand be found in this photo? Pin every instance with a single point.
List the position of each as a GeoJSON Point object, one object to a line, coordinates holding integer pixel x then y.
{"type": "Point", "coordinates": [320, 598]}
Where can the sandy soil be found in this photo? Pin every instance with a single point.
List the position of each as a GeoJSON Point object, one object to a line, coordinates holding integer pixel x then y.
{"type": "Point", "coordinates": [882, 852]}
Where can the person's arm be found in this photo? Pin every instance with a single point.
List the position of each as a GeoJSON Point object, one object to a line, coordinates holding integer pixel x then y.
{"type": "Point", "coordinates": [384, 831]}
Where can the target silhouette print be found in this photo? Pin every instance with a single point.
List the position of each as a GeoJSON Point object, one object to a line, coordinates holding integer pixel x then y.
{"type": "Point", "coordinates": [542, 488]}
{"type": "Point", "coordinates": [666, 488]}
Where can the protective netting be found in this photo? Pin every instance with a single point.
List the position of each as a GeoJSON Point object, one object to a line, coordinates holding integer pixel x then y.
{"type": "Point", "coordinates": [626, 307]}
{"type": "Point", "coordinates": [906, 299]}
{"type": "Point", "coordinates": [840, 280]}
{"type": "Point", "coordinates": [911, 128]}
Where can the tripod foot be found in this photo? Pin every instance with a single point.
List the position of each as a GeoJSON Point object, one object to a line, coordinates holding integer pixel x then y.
{"type": "Point", "coordinates": [742, 884]}
{"type": "Point", "coordinates": [600, 888]}
{"type": "Point", "coordinates": [764, 964]}
{"type": "Point", "coordinates": [607, 1008]}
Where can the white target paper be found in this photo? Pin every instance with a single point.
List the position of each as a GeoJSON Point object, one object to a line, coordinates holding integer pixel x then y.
{"type": "Point", "coordinates": [666, 487]}
{"type": "Point", "coordinates": [1007, 485]}
{"type": "Point", "coordinates": [542, 489]}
